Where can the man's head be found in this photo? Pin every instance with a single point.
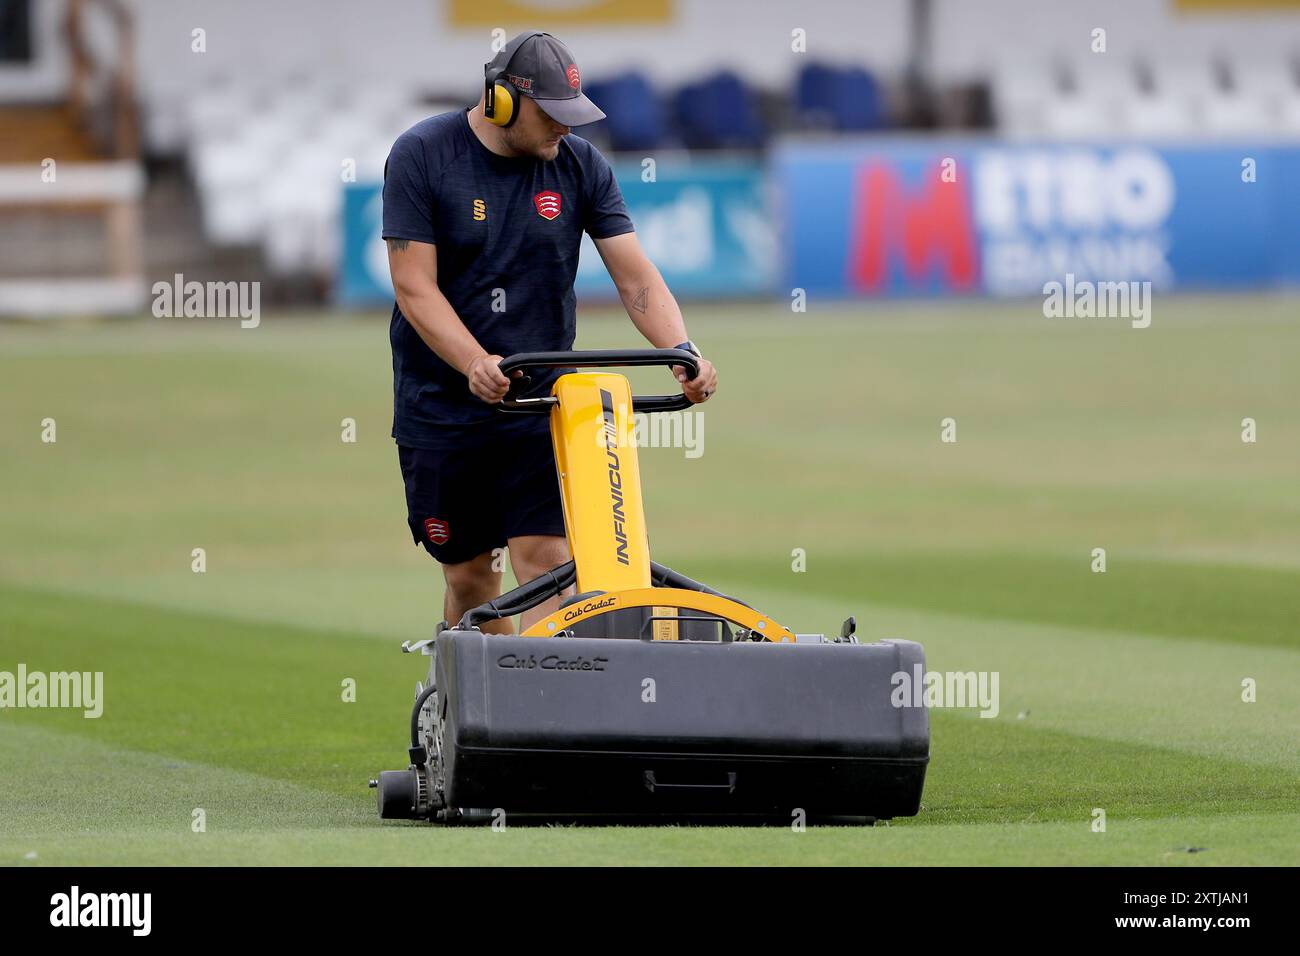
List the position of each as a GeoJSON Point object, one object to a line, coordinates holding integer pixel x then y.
{"type": "Point", "coordinates": [533, 92]}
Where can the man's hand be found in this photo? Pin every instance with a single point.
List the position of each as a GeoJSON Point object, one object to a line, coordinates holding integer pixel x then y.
{"type": "Point", "coordinates": [486, 380]}
{"type": "Point", "coordinates": [699, 388]}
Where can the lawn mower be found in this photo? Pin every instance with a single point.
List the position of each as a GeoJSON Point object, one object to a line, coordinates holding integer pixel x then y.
{"type": "Point", "coordinates": [647, 695]}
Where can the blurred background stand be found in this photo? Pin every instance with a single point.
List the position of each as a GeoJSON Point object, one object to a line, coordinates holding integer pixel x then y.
{"type": "Point", "coordinates": [71, 179]}
{"type": "Point", "coordinates": [246, 140]}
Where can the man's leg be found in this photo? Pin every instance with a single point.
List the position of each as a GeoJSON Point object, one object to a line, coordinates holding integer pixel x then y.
{"type": "Point", "coordinates": [532, 555]}
{"type": "Point", "coordinates": [469, 584]}
{"type": "Point", "coordinates": [454, 515]}
{"type": "Point", "coordinates": [534, 517]}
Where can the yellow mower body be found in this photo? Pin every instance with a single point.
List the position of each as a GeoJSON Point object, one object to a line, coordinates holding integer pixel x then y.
{"type": "Point", "coordinates": [604, 515]}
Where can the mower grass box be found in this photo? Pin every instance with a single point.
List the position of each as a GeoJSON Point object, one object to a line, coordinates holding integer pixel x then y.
{"type": "Point", "coordinates": [608, 726]}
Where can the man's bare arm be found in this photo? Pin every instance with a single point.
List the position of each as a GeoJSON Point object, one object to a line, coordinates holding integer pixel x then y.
{"type": "Point", "coordinates": [414, 268]}
{"type": "Point", "coordinates": [651, 307]}
{"type": "Point", "coordinates": [649, 304]}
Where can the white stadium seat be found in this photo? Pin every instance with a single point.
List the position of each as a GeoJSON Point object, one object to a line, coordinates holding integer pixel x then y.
{"type": "Point", "coordinates": [1159, 115]}
{"type": "Point", "coordinates": [268, 159]}
{"type": "Point", "coordinates": [229, 176]}
{"type": "Point", "coordinates": [1231, 113]}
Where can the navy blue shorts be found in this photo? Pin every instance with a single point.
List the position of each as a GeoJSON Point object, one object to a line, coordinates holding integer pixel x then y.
{"type": "Point", "coordinates": [461, 503]}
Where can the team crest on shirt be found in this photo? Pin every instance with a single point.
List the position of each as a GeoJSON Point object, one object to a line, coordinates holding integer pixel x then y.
{"type": "Point", "coordinates": [547, 203]}
{"type": "Point", "coordinates": [439, 531]}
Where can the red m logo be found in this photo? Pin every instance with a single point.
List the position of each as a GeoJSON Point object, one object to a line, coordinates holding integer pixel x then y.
{"type": "Point", "coordinates": [929, 226]}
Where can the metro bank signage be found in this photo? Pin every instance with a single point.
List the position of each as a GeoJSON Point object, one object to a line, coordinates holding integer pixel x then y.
{"type": "Point", "coordinates": [988, 218]}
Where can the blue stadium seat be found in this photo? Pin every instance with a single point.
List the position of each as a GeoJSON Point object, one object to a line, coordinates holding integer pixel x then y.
{"type": "Point", "coordinates": [634, 114]}
{"type": "Point", "coordinates": [846, 99]}
{"type": "Point", "coordinates": [814, 95]}
{"type": "Point", "coordinates": [719, 112]}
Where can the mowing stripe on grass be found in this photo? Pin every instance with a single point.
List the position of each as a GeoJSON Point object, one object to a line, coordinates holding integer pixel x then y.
{"type": "Point", "coordinates": [264, 699]}
{"type": "Point", "coordinates": [95, 805]}
{"type": "Point", "coordinates": [1221, 603]}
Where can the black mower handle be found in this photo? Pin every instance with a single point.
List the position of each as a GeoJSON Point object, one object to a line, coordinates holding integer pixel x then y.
{"type": "Point", "coordinates": [596, 358]}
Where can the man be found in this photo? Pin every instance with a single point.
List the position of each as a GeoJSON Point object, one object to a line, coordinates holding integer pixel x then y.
{"type": "Point", "coordinates": [484, 210]}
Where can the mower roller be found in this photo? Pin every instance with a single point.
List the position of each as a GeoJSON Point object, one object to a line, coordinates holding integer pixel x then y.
{"type": "Point", "coordinates": [647, 695]}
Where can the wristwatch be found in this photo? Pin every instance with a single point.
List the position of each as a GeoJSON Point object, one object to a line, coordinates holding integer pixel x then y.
{"type": "Point", "coordinates": [689, 346]}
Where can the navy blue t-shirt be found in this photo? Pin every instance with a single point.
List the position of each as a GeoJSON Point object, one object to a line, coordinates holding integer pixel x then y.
{"type": "Point", "coordinates": [507, 232]}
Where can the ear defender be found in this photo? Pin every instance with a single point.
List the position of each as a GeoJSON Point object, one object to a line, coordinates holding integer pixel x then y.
{"type": "Point", "coordinates": [499, 105]}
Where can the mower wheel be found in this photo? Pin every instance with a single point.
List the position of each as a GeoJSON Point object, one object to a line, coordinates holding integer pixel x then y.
{"type": "Point", "coordinates": [397, 794]}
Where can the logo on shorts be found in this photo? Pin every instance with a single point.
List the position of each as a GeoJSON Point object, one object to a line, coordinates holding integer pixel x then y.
{"type": "Point", "coordinates": [572, 73]}
{"type": "Point", "coordinates": [439, 531]}
{"type": "Point", "coordinates": [547, 203]}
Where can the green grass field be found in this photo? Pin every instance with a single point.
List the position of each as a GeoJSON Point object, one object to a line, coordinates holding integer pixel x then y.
{"type": "Point", "coordinates": [1120, 691]}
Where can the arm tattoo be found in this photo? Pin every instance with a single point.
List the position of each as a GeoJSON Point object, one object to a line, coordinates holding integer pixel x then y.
{"type": "Point", "coordinates": [639, 300]}
{"type": "Point", "coordinates": [398, 245]}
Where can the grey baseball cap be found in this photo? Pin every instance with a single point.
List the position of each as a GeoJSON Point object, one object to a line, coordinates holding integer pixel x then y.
{"type": "Point", "coordinates": [540, 66]}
